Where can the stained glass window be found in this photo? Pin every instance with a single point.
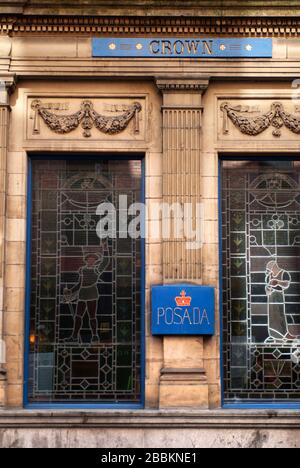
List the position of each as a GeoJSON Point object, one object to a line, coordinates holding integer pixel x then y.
{"type": "Point", "coordinates": [261, 281]}
{"type": "Point", "coordinates": [85, 303]}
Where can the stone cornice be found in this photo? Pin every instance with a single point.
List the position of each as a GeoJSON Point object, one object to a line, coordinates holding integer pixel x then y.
{"type": "Point", "coordinates": [171, 85]}
{"type": "Point", "coordinates": [152, 419]}
{"type": "Point", "coordinates": [152, 7]}
{"type": "Point", "coordinates": [143, 25]}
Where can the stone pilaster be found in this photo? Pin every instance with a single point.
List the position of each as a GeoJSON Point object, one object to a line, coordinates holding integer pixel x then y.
{"type": "Point", "coordinates": [6, 87]}
{"type": "Point", "coordinates": [182, 115]}
{"type": "Point", "coordinates": [183, 380]}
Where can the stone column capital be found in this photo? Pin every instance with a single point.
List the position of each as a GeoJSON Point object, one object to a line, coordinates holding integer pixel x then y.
{"type": "Point", "coordinates": [197, 85]}
{"type": "Point", "coordinates": [7, 87]}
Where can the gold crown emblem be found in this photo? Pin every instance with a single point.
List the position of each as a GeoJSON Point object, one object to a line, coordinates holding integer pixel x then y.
{"type": "Point", "coordinates": [183, 300]}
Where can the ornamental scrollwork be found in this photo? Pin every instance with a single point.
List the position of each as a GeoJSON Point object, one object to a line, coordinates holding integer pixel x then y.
{"type": "Point", "coordinates": [277, 118]}
{"type": "Point", "coordinates": [87, 117]}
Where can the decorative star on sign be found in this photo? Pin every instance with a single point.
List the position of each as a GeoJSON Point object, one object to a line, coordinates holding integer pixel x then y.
{"type": "Point", "coordinates": [249, 47]}
{"type": "Point", "coordinates": [223, 47]}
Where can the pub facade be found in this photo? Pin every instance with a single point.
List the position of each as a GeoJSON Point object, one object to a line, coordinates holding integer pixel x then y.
{"type": "Point", "coordinates": [149, 224]}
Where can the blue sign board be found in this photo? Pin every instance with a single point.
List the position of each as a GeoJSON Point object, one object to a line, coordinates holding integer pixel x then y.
{"type": "Point", "coordinates": [182, 48]}
{"type": "Point", "coordinates": [183, 310]}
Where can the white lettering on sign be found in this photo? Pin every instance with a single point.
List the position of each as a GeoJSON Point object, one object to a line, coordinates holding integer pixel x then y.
{"type": "Point", "coordinates": [182, 316]}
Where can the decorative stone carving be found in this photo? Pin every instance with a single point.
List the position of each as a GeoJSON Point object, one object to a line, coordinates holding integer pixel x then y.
{"type": "Point", "coordinates": [277, 117]}
{"type": "Point", "coordinates": [87, 117]}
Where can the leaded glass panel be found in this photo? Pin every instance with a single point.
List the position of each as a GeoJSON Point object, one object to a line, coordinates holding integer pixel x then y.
{"type": "Point", "coordinates": [261, 281]}
{"type": "Point", "coordinates": [85, 304]}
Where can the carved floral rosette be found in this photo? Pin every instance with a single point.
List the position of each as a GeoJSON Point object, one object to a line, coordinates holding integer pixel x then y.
{"type": "Point", "coordinates": [87, 117]}
{"type": "Point", "coordinates": [277, 117]}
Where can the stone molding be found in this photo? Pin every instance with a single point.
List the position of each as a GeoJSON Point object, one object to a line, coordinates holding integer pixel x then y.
{"type": "Point", "coordinates": [168, 25]}
{"type": "Point", "coordinates": [10, 82]}
{"type": "Point", "coordinates": [183, 374]}
{"type": "Point", "coordinates": [214, 7]}
{"type": "Point", "coordinates": [152, 419]}
{"type": "Point", "coordinates": [185, 85]}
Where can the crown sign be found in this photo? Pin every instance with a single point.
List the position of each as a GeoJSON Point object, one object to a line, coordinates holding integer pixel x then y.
{"type": "Point", "coordinates": [183, 300]}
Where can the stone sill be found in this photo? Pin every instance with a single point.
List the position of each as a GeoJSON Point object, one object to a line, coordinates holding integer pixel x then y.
{"type": "Point", "coordinates": [150, 419]}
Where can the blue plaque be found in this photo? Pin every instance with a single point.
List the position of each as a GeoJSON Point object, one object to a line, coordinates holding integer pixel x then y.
{"type": "Point", "coordinates": [182, 48]}
{"type": "Point", "coordinates": [183, 310]}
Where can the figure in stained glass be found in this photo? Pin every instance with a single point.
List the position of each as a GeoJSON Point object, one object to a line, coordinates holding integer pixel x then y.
{"type": "Point", "coordinates": [277, 282]}
{"type": "Point", "coordinates": [85, 294]}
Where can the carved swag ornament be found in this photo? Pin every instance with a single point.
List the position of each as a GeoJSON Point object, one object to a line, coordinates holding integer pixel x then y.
{"type": "Point", "coordinates": [87, 117]}
{"type": "Point", "coordinates": [277, 117]}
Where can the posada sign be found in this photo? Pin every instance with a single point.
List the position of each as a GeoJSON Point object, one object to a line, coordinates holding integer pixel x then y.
{"type": "Point", "coordinates": [183, 310]}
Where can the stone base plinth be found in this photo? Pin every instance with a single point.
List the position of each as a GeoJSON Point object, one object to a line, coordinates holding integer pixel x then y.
{"type": "Point", "coordinates": [183, 388]}
{"type": "Point", "coordinates": [150, 429]}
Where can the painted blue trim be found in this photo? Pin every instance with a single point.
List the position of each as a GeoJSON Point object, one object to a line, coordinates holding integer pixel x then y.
{"type": "Point", "coordinates": [191, 48]}
{"type": "Point", "coordinates": [262, 406]}
{"type": "Point", "coordinates": [143, 291]}
{"type": "Point", "coordinates": [61, 406]}
{"type": "Point", "coordinates": [260, 157]}
{"type": "Point", "coordinates": [28, 283]}
{"type": "Point", "coordinates": [247, 405]}
{"type": "Point", "coordinates": [91, 406]}
{"type": "Point", "coordinates": [221, 277]}
{"type": "Point", "coordinates": [139, 156]}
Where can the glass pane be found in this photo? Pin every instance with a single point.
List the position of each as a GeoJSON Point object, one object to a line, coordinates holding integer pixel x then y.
{"type": "Point", "coordinates": [261, 281]}
{"type": "Point", "coordinates": [85, 307]}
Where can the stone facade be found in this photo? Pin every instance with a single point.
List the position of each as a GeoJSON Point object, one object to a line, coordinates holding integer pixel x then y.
{"type": "Point", "coordinates": [182, 127]}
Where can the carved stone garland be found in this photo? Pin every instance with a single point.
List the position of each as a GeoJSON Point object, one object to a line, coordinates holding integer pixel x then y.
{"type": "Point", "coordinates": [277, 117]}
{"type": "Point", "coordinates": [87, 117]}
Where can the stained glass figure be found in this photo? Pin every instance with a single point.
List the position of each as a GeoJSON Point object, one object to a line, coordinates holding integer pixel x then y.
{"type": "Point", "coordinates": [261, 281]}
{"type": "Point", "coordinates": [85, 294]}
{"type": "Point", "coordinates": [277, 281]}
{"type": "Point", "coordinates": [85, 311]}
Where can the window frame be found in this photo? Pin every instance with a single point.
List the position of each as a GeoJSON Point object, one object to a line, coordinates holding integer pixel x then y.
{"type": "Point", "coordinates": [80, 156]}
{"type": "Point", "coordinates": [255, 157]}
